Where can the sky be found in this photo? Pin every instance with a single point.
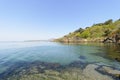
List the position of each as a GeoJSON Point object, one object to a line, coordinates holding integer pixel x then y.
{"type": "Point", "coordinates": [47, 19]}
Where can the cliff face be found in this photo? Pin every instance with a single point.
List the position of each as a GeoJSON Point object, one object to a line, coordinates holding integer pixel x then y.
{"type": "Point", "coordinates": [95, 33]}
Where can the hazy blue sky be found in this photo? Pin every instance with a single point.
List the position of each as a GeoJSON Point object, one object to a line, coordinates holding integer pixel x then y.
{"type": "Point", "coordinates": [45, 19]}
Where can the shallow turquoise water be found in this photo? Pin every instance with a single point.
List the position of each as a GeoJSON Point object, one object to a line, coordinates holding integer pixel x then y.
{"type": "Point", "coordinates": [64, 54]}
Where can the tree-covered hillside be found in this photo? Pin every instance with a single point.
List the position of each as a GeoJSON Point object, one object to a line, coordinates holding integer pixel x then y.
{"type": "Point", "coordinates": [96, 32]}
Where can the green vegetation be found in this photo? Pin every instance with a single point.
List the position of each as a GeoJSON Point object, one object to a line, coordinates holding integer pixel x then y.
{"type": "Point", "coordinates": [96, 32]}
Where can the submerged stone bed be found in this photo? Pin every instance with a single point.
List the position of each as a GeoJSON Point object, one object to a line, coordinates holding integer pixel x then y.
{"type": "Point", "coordinates": [53, 71]}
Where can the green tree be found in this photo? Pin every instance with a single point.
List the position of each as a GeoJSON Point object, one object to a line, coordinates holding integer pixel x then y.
{"type": "Point", "coordinates": [80, 30]}
{"type": "Point", "coordinates": [108, 22]}
{"type": "Point", "coordinates": [85, 34]}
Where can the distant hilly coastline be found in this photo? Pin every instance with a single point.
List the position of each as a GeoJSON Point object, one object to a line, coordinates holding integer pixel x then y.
{"type": "Point", "coordinates": [108, 31]}
{"type": "Point", "coordinates": [36, 40]}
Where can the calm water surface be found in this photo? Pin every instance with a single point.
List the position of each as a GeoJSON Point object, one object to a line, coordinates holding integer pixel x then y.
{"type": "Point", "coordinates": [64, 54]}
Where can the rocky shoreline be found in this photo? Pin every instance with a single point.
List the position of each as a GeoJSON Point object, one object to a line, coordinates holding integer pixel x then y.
{"type": "Point", "coordinates": [81, 40]}
{"type": "Point", "coordinates": [78, 40]}
{"type": "Point", "coordinates": [54, 71]}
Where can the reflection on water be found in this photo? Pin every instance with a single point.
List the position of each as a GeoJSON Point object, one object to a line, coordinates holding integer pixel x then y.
{"type": "Point", "coordinates": [113, 51]}
{"type": "Point", "coordinates": [25, 58]}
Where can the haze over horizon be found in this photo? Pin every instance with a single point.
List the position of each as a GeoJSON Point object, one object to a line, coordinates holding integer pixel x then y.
{"type": "Point", "coordinates": [46, 19]}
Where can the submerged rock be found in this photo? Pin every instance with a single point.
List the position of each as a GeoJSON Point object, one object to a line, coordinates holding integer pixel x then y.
{"type": "Point", "coordinates": [82, 57]}
{"type": "Point", "coordinates": [78, 64]}
{"type": "Point", "coordinates": [110, 71]}
{"type": "Point", "coordinates": [92, 74]}
{"type": "Point", "coordinates": [53, 71]}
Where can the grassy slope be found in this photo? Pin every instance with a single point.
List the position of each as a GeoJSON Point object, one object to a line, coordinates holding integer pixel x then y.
{"type": "Point", "coordinates": [96, 31]}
